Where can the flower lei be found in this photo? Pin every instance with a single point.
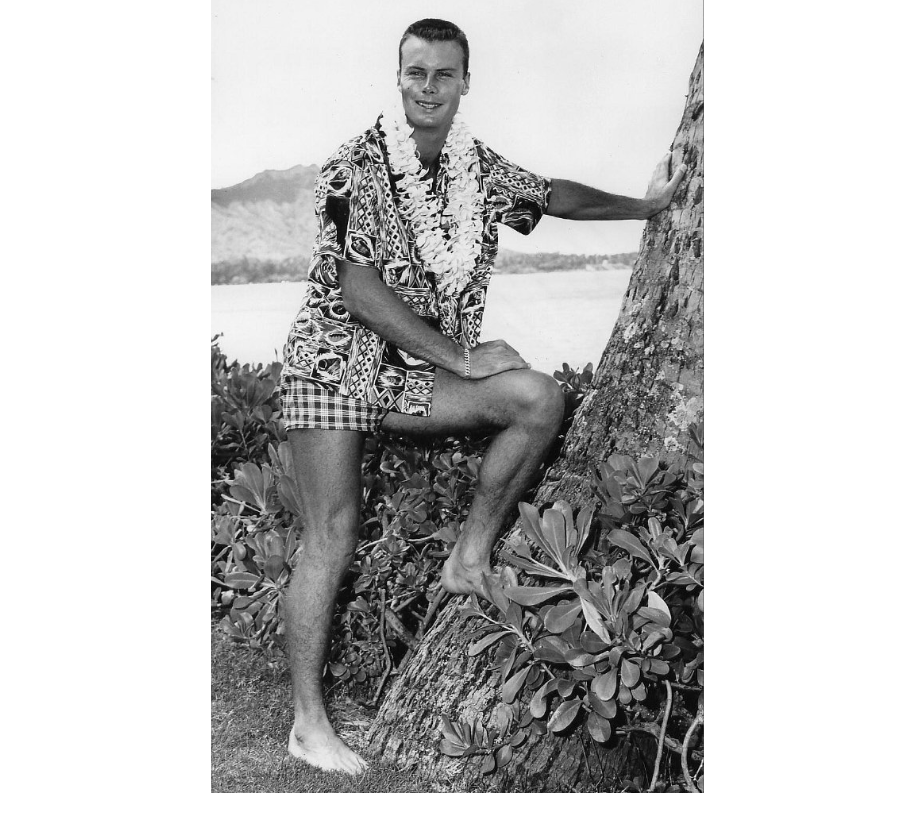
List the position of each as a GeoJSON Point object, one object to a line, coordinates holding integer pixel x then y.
{"type": "Point", "coordinates": [448, 236]}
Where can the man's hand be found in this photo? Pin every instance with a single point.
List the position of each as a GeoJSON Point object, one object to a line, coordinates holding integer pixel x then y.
{"type": "Point", "coordinates": [488, 358]}
{"type": "Point", "coordinates": [662, 188]}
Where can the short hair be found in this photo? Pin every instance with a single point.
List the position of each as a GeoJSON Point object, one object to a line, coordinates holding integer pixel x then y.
{"type": "Point", "coordinates": [434, 30]}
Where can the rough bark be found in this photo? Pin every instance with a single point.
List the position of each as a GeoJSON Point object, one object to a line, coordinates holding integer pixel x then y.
{"type": "Point", "coordinates": [647, 390]}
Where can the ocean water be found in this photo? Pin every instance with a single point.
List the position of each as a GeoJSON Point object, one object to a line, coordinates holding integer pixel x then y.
{"type": "Point", "coordinates": [549, 317]}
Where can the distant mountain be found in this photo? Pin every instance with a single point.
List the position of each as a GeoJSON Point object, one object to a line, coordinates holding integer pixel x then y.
{"type": "Point", "coordinates": [264, 227]}
{"type": "Point", "coordinates": [264, 221]}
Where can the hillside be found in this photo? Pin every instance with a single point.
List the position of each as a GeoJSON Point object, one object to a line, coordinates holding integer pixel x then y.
{"type": "Point", "coordinates": [268, 218]}
{"type": "Point", "coordinates": [263, 229]}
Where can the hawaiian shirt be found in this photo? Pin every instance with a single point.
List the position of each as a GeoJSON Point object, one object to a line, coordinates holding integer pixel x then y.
{"type": "Point", "coordinates": [359, 221]}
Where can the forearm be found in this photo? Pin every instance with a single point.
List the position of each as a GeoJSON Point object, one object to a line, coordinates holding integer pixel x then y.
{"type": "Point", "coordinates": [377, 307]}
{"type": "Point", "coordinates": [575, 201]}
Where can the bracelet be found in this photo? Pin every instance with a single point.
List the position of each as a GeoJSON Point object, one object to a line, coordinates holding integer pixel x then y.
{"type": "Point", "coordinates": [467, 367]}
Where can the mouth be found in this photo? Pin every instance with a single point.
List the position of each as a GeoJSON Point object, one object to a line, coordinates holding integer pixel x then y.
{"type": "Point", "coordinates": [429, 106]}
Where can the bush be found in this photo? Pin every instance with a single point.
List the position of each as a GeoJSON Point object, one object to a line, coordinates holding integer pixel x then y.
{"type": "Point", "coordinates": [416, 499]}
{"type": "Point", "coordinates": [603, 624]}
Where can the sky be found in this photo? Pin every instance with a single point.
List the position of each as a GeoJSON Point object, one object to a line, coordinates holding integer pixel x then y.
{"type": "Point", "coordinates": [590, 91]}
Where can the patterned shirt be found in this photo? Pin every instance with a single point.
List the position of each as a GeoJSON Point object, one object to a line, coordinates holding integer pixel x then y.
{"type": "Point", "coordinates": [359, 222]}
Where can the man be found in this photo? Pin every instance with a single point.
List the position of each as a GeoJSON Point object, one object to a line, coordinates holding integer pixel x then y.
{"type": "Point", "coordinates": [388, 338]}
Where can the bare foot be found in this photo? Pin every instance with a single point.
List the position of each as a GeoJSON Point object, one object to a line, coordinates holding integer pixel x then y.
{"type": "Point", "coordinates": [323, 748]}
{"type": "Point", "coordinates": [460, 577]}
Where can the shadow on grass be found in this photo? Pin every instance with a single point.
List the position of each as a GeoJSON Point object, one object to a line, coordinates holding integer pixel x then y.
{"type": "Point", "coordinates": [251, 718]}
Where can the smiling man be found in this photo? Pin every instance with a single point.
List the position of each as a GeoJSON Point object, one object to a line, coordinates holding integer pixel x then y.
{"type": "Point", "coordinates": [388, 338]}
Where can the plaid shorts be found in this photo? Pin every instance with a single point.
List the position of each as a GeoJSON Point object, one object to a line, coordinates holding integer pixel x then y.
{"type": "Point", "coordinates": [307, 405]}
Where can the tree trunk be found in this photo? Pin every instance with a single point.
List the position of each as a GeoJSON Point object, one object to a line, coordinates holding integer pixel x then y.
{"type": "Point", "coordinates": [647, 390]}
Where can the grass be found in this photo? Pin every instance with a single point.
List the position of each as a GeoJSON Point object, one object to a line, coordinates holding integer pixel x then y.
{"type": "Point", "coordinates": [251, 718]}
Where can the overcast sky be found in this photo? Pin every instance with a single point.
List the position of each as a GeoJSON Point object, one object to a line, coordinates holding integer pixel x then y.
{"type": "Point", "coordinates": [591, 90]}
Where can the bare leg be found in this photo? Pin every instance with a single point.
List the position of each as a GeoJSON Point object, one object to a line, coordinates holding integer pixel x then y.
{"type": "Point", "coordinates": [525, 408]}
{"type": "Point", "coordinates": [328, 473]}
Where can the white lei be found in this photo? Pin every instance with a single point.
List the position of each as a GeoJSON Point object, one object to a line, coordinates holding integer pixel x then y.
{"type": "Point", "coordinates": [450, 258]}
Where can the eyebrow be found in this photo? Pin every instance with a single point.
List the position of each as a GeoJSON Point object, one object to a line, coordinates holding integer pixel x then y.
{"type": "Point", "coordinates": [435, 70]}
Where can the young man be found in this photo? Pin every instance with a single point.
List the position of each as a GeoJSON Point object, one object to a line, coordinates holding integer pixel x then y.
{"type": "Point", "coordinates": [388, 338]}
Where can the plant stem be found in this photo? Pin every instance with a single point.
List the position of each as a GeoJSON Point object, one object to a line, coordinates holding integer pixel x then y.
{"type": "Point", "coordinates": [698, 719]}
{"type": "Point", "coordinates": [383, 638]}
{"type": "Point", "coordinates": [662, 735]}
{"type": "Point", "coordinates": [432, 610]}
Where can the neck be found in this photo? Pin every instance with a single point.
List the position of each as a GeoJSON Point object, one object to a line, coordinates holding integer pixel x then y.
{"type": "Point", "coordinates": [429, 143]}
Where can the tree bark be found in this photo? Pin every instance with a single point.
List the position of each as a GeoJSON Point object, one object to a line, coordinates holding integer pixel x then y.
{"type": "Point", "coordinates": [647, 390]}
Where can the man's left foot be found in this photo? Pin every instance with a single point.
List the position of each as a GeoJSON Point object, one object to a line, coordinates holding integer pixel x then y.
{"type": "Point", "coordinates": [458, 577]}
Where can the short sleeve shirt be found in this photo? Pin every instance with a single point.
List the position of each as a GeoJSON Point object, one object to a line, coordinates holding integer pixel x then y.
{"type": "Point", "coordinates": [359, 221]}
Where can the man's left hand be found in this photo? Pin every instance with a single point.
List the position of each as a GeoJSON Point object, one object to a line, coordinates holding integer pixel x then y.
{"type": "Point", "coordinates": [662, 187]}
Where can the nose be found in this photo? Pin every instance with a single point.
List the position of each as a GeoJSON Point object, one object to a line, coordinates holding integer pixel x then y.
{"type": "Point", "coordinates": [429, 86]}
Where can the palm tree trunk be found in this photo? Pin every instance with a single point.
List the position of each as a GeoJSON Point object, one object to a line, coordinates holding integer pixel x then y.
{"type": "Point", "coordinates": [647, 390]}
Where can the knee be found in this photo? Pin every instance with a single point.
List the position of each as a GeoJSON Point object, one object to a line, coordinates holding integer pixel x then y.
{"type": "Point", "coordinates": [336, 526]}
{"type": "Point", "coordinates": [539, 400]}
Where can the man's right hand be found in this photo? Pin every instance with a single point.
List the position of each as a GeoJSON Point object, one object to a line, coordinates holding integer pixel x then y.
{"type": "Point", "coordinates": [488, 358]}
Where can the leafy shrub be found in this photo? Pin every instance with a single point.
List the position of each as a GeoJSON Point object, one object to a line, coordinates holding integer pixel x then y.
{"type": "Point", "coordinates": [606, 625]}
{"type": "Point", "coordinates": [417, 496]}
{"type": "Point", "coordinates": [245, 414]}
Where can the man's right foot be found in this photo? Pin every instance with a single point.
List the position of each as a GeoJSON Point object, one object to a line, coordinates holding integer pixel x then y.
{"type": "Point", "coordinates": [324, 749]}
{"type": "Point", "coordinates": [459, 578]}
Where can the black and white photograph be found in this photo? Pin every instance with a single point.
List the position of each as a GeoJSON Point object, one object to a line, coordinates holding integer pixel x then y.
{"type": "Point", "coordinates": [482, 319]}
{"type": "Point", "coordinates": [457, 397]}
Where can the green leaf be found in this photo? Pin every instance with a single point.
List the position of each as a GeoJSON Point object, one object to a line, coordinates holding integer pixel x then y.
{"type": "Point", "coordinates": [512, 686]}
{"type": "Point", "coordinates": [606, 685]}
{"type": "Point", "coordinates": [518, 737]}
{"type": "Point", "coordinates": [647, 467]}
{"type": "Point", "coordinates": [529, 520]}
{"type": "Point", "coordinates": [241, 579]}
{"type": "Point", "coordinates": [561, 617]}
{"type": "Point", "coordinates": [538, 704]}
{"type": "Point", "coordinates": [451, 749]}
{"type": "Point", "coordinates": [594, 621]}
{"type": "Point", "coordinates": [579, 658]}
{"type": "Point", "coordinates": [534, 595]}
{"type": "Point", "coordinates": [584, 520]}
{"type": "Point", "coordinates": [564, 716]}
{"type": "Point", "coordinates": [654, 600]}
{"type": "Point", "coordinates": [554, 530]}
{"type": "Point", "coordinates": [639, 693]}
{"type": "Point", "coordinates": [532, 567]}
{"type": "Point", "coordinates": [599, 728]}
{"type": "Point", "coordinates": [539, 699]}
{"type": "Point", "coordinates": [629, 543]}
{"type": "Point", "coordinates": [274, 566]}
{"type": "Point", "coordinates": [449, 731]}
{"type": "Point", "coordinates": [495, 592]}
{"type": "Point", "coordinates": [633, 599]}
{"type": "Point", "coordinates": [607, 709]}
{"type": "Point", "coordinates": [503, 755]}
{"type": "Point", "coordinates": [489, 765]}
{"type": "Point", "coordinates": [630, 673]}
{"type": "Point", "coordinates": [658, 667]}
{"type": "Point", "coordinates": [565, 687]}
{"type": "Point", "coordinates": [590, 642]}
{"type": "Point", "coordinates": [551, 649]}
{"type": "Point", "coordinates": [661, 618]}
{"type": "Point", "coordinates": [487, 641]}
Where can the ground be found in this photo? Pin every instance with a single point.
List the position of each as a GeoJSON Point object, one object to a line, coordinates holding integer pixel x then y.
{"type": "Point", "coordinates": [251, 718]}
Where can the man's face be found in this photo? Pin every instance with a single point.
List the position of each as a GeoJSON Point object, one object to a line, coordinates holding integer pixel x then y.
{"type": "Point", "coordinates": [431, 81]}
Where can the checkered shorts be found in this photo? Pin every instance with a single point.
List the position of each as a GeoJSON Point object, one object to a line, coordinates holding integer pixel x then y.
{"type": "Point", "coordinates": [307, 405]}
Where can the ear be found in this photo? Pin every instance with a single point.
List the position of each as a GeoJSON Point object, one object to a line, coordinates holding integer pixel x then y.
{"type": "Point", "coordinates": [465, 84]}
{"type": "Point", "coordinates": [399, 86]}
